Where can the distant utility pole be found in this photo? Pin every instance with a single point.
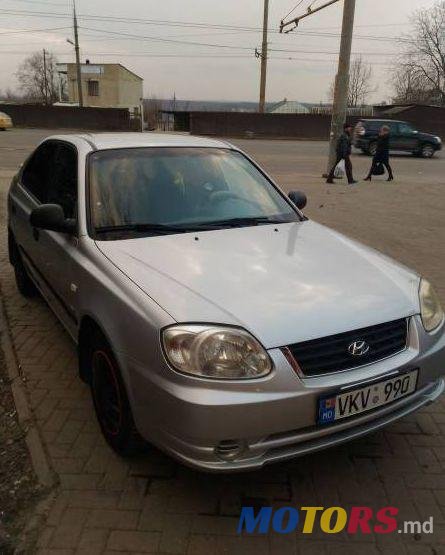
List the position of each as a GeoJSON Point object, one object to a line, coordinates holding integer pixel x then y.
{"type": "Point", "coordinates": [76, 48]}
{"type": "Point", "coordinates": [339, 110]}
{"type": "Point", "coordinates": [263, 56]}
{"type": "Point", "coordinates": [45, 77]}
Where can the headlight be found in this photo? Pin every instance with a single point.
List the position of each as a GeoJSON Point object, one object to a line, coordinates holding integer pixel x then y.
{"type": "Point", "coordinates": [430, 309]}
{"type": "Point", "coordinates": [438, 139]}
{"type": "Point", "coordinates": [215, 352]}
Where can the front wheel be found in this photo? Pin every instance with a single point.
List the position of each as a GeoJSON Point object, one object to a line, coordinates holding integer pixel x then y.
{"type": "Point", "coordinates": [427, 151]}
{"type": "Point", "coordinates": [111, 402]}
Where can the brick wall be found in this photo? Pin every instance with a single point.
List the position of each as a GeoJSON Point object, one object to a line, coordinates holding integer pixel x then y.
{"type": "Point", "coordinates": [295, 126]}
{"type": "Point", "coordinates": [35, 115]}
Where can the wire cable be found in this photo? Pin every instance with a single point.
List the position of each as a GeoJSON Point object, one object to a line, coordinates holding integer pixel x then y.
{"type": "Point", "coordinates": [293, 9]}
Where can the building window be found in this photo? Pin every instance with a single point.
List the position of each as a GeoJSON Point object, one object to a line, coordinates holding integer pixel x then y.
{"type": "Point", "coordinates": [93, 88]}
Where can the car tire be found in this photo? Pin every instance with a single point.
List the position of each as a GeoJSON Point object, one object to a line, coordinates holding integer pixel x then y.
{"type": "Point", "coordinates": [427, 150]}
{"type": "Point", "coordinates": [24, 283]}
{"type": "Point", "coordinates": [372, 148]}
{"type": "Point", "coordinates": [110, 400]}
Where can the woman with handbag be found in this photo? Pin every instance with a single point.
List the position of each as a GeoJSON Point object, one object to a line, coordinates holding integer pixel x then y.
{"type": "Point", "coordinates": [381, 157]}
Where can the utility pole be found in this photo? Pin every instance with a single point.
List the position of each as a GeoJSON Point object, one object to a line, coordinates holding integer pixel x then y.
{"type": "Point", "coordinates": [340, 107]}
{"type": "Point", "coordinates": [264, 56]}
{"type": "Point", "coordinates": [45, 77]}
{"type": "Point", "coordinates": [76, 48]}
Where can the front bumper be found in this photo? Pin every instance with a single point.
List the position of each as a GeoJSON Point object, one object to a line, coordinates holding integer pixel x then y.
{"type": "Point", "coordinates": [244, 426]}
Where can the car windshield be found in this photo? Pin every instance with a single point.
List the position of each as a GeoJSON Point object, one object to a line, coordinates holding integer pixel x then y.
{"type": "Point", "coordinates": [161, 189]}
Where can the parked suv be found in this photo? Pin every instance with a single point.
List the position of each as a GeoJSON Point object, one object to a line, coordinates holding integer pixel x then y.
{"type": "Point", "coordinates": [403, 137]}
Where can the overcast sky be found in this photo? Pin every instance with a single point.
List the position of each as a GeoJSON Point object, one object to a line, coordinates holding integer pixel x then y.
{"type": "Point", "coordinates": [227, 71]}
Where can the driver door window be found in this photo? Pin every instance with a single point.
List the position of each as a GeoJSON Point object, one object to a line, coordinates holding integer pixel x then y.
{"type": "Point", "coordinates": [63, 184]}
{"type": "Point", "coordinates": [37, 174]}
{"type": "Point", "coordinates": [408, 139]}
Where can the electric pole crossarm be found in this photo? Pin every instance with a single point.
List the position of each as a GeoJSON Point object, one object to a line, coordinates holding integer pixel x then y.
{"type": "Point", "coordinates": [310, 11]}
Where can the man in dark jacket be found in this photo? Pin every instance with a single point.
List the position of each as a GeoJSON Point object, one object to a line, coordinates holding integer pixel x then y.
{"type": "Point", "coordinates": [344, 149]}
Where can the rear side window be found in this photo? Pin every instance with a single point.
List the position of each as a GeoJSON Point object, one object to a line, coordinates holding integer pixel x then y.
{"type": "Point", "coordinates": [37, 173]}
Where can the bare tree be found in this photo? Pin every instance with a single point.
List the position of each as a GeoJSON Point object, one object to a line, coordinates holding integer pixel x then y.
{"type": "Point", "coordinates": [9, 95]}
{"type": "Point", "coordinates": [423, 58]}
{"type": "Point", "coordinates": [410, 86]}
{"type": "Point", "coordinates": [35, 82]}
{"type": "Point", "coordinates": [360, 83]}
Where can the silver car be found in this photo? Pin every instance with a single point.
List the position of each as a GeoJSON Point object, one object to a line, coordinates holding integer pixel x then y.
{"type": "Point", "coordinates": [212, 318]}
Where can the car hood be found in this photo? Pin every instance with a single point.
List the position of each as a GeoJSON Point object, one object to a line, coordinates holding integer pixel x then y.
{"type": "Point", "coordinates": [288, 283]}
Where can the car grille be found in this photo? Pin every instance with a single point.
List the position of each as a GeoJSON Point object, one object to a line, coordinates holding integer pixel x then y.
{"type": "Point", "coordinates": [331, 354]}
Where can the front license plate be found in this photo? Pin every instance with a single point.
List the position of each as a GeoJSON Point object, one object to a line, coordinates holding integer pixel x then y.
{"type": "Point", "coordinates": [373, 396]}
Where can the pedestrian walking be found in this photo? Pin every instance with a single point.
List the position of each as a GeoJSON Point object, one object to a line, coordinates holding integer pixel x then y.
{"type": "Point", "coordinates": [344, 149]}
{"type": "Point", "coordinates": [381, 156]}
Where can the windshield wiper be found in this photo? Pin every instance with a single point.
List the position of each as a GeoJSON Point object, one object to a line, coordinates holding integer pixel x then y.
{"type": "Point", "coordinates": [142, 228]}
{"type": "Point", "coordinates": [165, 229]}
{"type": "Point", "coordinates": [241, 222]}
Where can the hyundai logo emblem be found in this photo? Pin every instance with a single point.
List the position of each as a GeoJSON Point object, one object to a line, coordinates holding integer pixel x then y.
{"type": "Point", "coordinates": [358, 348]}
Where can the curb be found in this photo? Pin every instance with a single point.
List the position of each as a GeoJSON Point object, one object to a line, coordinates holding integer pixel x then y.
{"type": "Point", "coordinates": [45, 475]}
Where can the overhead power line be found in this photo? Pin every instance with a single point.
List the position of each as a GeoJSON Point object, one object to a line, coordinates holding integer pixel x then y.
{"type": "Point", "coordinates": [293, 9]}
{"type": "Point", "coordinates": [41, 2]}
{"type": "Point", "coordinates": [19, 32]}
{"type": "Point", "coordinates": [200, 55]}
{"type": "Point", "coordinates": [173, 41]}
{"type": "Point", "coordinates": [186, 24]}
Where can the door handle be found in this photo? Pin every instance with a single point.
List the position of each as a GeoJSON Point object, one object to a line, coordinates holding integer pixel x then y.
{"type": "Point", "coordinates": [35, 233]}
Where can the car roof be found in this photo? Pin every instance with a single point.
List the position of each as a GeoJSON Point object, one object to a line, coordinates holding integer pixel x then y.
{"type": "Point", "coordinates": [105, 141]}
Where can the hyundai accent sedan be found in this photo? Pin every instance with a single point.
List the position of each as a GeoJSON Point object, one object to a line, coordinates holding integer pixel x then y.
{"type": "Point", "coordinates": [212, 318]}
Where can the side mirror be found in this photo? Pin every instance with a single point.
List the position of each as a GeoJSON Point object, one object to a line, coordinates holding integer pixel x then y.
{"type": "Point", "coordinates": [298, 198]}
{"type": "Point", "coordinates": [52, 218]}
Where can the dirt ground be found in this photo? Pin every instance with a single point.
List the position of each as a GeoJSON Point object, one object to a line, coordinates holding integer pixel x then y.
{"type": "Point", "coordinates": [18, 486]}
